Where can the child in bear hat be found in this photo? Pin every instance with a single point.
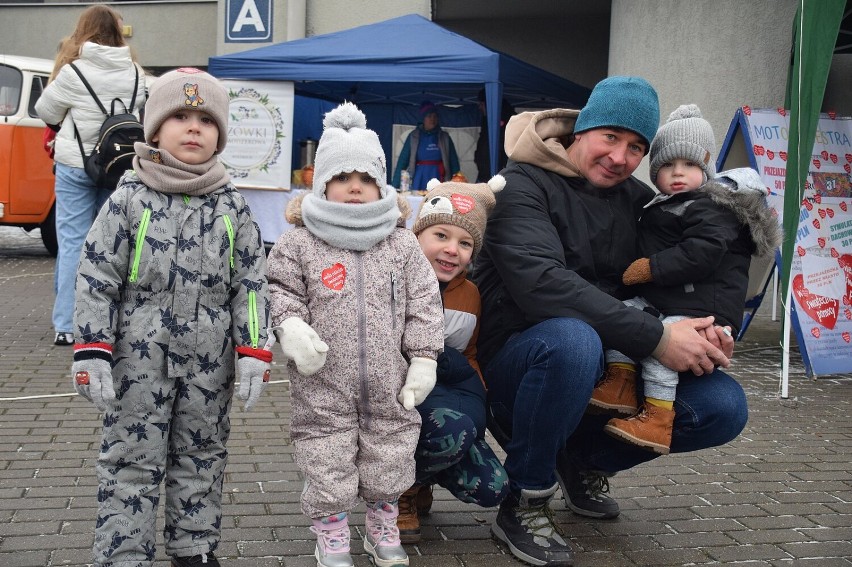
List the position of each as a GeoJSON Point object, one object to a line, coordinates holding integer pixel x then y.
{"type": "Point", "coordinates": [358, 309]}
{"type": "Point", "coordinates": [450, 226]}
{"type": "Point", "coordinates": [171, 297]}
{"type": "Point", "coordinates": [696, 238]}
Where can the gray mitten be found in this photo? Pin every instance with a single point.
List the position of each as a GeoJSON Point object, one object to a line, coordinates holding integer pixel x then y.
{"type": "Point", "coordinates": [301, 344]}
{"type": "Point", "coordinates": [418, 382]}
{"type": "Point", "coordinates": [93, 381]}
{"type": "Point", "coordinates": [254, 376]}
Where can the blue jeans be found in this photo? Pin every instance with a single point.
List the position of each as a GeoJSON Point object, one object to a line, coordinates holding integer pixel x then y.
{"type": "Point", "coordinates": [539, 385]}
{"type": "Point", "coordinates": [77, 203]}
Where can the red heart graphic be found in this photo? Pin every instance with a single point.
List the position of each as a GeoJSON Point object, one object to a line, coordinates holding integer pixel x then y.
{"type": "Point", "coordinates": [821, 309]}
{"type": "Point", "coordinates": [847, 168]}
{"type": "Point", "coordinates": [807, 204]}
{"type": "Point", "coordinates": [770, 154]}
{"type": "Point", "coordinates": [781, 111]}
{"type": "Point", "coordinates": [759, 150]}
{"type": "Point", "coordinates": [830, 212]}
{"type": "Point", "coordinates": [833, 158]}
{"type": "Point", "coordinates": [747, 110]}
{"type": "Point", "coordinates": [818, 198]}
{"type": "Point", "coordinates": [815, 332]}
{"type": "Point", "coordinates": [800, 251]}
{"type": "Point", "coordinates": [783, 155]}
{"type": "Point", "coordinates": [846, 336]}
{"type": "Point", "coordinates": [843, 206]}
{"type": "Point", "coordinates": [821, 213]}
{"type": "Point", "coordinates": [817, 164]}
{"type": "Point", "coordinates": [834, 253]}
{"type": "Point", "coordinates": [848, 313]}
{"type": "Point", "coordinates": [816, 224]}
{"type": "Point", "coordinates": [823, 154]}
{"type": "Point", "coordinates": [848, 158]}
{"type": "Point", "coordinates": [463, 204]}
{"type": "Point", "coordinates": [334, 277]}
{"type": "Point", "coordinates": [845, 262]}
{"type": "Point", "coordinates": [821, 242]}
{"type": "Point", "coordinates": [832, 114]}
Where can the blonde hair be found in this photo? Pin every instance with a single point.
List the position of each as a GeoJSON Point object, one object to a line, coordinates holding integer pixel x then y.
{"type": "Point", "coordinates": [99, 24]}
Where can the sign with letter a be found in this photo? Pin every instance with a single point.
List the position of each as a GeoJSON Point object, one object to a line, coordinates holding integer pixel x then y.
{"type": "Point", "coordinates": [248, 20]}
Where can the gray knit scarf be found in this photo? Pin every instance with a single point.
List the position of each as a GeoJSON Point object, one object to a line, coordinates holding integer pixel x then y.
{"type": "Point", "coordinates": [160, 170]}
{"type": "Point", "coordinates": [348, 226]}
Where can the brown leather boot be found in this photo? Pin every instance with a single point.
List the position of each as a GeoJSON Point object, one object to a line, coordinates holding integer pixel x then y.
{"type": "Point", "coordinates": [650, 428]}
{"type": "Point", "coordinates": [407, 521]}
{"type": "Point", "coordinates": [424, 499]}
{"type": "Point", "coordinates": [616, 392]}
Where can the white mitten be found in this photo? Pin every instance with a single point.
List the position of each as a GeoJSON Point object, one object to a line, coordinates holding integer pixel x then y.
{"type": "Point", "coordinates": [418, 383]}
{"type": "Point", "coordinates": [254, 376]}
{"type": "Point", "coordinates": [301, 344]}
{"type": "Point", "coordinates": [93, 381]}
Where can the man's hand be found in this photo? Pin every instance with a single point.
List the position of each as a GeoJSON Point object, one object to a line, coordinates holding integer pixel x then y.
{"type": "Point", "coordinates": [720, 337]}
{"type": "Point", "coordinates": [689, 349]}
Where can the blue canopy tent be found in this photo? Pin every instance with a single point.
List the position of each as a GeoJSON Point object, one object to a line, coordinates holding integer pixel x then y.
{"type": "Point", "coordinates": [401, 62]}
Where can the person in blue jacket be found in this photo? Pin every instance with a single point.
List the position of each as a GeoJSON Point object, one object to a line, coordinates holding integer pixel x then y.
{"type": "Point", "coordinates": [428, 152]}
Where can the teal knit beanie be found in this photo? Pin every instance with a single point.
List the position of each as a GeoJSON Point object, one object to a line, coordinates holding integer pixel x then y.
{"type": "Point", "coordinates": [622, 102]}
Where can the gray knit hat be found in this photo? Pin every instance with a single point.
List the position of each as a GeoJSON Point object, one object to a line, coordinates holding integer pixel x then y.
{"type": "Point", "coordinates": [347, 145]}
{"type": "Point", "coordinates": [187, 88]}
{"type": "Point", "coordinates": [685, 135]}
{"type": "Point", "coordinates": [466, 205]}
{"type": "Point", "coordinates": [621, 102]}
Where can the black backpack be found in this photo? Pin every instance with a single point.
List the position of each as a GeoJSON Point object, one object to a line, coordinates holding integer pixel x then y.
{"type": "Point", "coordinates": [113, 153]}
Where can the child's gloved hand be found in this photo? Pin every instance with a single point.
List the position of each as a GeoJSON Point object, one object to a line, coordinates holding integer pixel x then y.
{"type": "Point", "coordinates": [418, 383]}
{"type": "Point", "coordinates": [93, 380]}
{"type": "Point", "coordinates": [638, 272]}
{"type": "Point", "coordinates": [301, 344]}
{"type": "Point", "coordinates": [254, 376]}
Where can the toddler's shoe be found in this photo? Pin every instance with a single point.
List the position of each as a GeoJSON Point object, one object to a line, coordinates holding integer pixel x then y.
{"type": "Point", "coordinates": [203, 560]}
{"type": "Point", "coordinates": [381, 540]}
{"type": "Point", "coordinates": [650, 428]}
{"type": "Point", "coordinates": [63, 339]}
{"type": "Point", "coordinates": [332, 548]}
{"type": "Point", "coordinates": [616, 392]}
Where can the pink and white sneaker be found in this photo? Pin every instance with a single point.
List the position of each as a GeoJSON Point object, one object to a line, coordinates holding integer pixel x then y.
{"type": "Point", "coordinates": [332, 541]}
{"type": "Point", "coordinates": [381, 541]}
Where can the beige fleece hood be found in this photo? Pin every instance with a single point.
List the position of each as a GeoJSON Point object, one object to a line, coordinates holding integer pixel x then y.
{"type": "Point", "coordinates": [540, 138]}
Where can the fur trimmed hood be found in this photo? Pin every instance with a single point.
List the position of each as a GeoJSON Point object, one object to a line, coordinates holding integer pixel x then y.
{"type": "Point", "coordinates": [293, 212]}
{"type": "Point", "coordinates": [748, 202]}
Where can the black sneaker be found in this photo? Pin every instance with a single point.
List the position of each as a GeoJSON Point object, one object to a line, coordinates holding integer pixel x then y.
{"type": "Point", "coordinates": [203, 560]}
{"type": "Point", "coordinates": [585, 493]}
{"type": "Point", "coordinates": [63, 339]}
{"type": "Point", "coordinates": [525, 523]}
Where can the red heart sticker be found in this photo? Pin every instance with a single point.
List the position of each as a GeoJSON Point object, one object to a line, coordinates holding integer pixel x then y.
{"type": "Point", "coordinates": [821, 213]}
{"type": "Point", "coordinates": [266, 375]}
{"type": "Point", "coordinates": [830, 212]}
{"type": "Point", "coordinates": [816, 224]}
{"type": "Point", "coordinates": [82, 378]}
{"type": "Point", "coordinates": [834, 253]}
{"type": "Point", "coordinates": [770, 154]}
{"type": "Point", "coordinates": [833, 158]}
{"type": "Point", "coordinates": [847, 168]}
{"type": "Point", "coordinates": [781, 111]}
{"type": "Point", "coordinates": [800, 251]}
{"type": "Point", "coordinates": [759, 150]}
{"type": "Point", "coordinates": [823, 154]}
{"type": "Point", "coordinates": [334, 277]}
{"type": "Point", "coordinates": [843, 206]}
{"type": "Point", "coordinates": [815, 332]}
{"type": "Point", "coordinates": [816, 163]}
{"type": "Point", "coordinates": [818, 198]}
{"type": "Point", "coordinates": [807, 204]}
{"type": "Point", "coordinates": [821, 309]}
{"type": "Point", "coordinates": [821, 242]}
{"type": "Point", "coordinates": [783, 155]}
{"type": "Point", "coordinates": [848, 313]}
{"type": "Point", "coordinates": [846, 336]}
{"type": "Point", "coordinates": [848, 158]}
{"type": "Point", "coordinates": [747, 110]}
{"type": "Point", "coordinates": [463, 204]}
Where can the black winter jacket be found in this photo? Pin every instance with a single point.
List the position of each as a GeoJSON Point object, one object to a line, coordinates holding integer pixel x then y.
{"type": "Point", "coordinates": [556, 246]}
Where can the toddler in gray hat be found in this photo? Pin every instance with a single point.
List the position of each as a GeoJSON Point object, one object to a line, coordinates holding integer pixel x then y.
{"type": "Point", "coordinates": [696, 239]}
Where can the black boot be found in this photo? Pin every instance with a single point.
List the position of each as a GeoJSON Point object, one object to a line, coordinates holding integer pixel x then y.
{"type": "Point", "coordinates": [585, 492]}
{"type": "Point", "coordinates": [203, 560]}
{"type": "Point", "coordinates": [525, 523]}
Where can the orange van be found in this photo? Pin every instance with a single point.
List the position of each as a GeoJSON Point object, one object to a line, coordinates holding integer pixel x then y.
{"type": "Point", "coordinates": [26, 171]}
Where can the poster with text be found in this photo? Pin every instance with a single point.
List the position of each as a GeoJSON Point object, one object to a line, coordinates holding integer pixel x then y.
{"type": "Point", "coordinates": [822, 262]}
{"type": "Point", "coordinates": [260, 134]}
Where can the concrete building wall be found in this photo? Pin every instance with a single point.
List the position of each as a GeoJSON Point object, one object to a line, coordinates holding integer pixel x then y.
{"type": "Point", "coordinates": [325, 16]}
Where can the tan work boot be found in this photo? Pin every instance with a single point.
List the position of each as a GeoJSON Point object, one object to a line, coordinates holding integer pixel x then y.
{"type": "Point", "coordinates": [424, 499]}
{"type": "Point", "coordinates": [616, 392]}
{"type": "Point", "coordinates": [650, 428]}
{"type": "Point", "coordinates": [407, 521]}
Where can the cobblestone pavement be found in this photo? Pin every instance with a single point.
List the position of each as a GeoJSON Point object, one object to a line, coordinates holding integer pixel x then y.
{"type": "Point", "coordinates": [780, 494]}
